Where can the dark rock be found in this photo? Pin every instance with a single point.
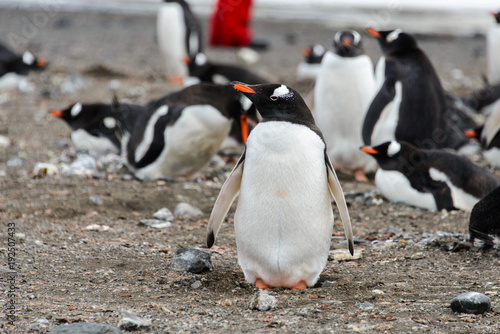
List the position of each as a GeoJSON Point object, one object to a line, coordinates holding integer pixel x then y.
{"type": "Point", "coordinates": [471, 302]}
{"type": "Point", "coordinates": [85, 328]}
{"type": "Point", "coordinates": [192, 260]}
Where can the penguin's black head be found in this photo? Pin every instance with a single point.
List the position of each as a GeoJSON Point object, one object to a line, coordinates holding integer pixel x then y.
{"type": "Point", "coordinates": [69, 114]}
{"type": "Point", "coordinates": [27, 62]}
{"type": "Point", "coordinates": [496, 15]}
{"type": "Point", "coordinates": [276, 102]}
{"type": "Point", "coordinates": [386, 154]}
{"type": "Point", "coordinates": [97, 115]}
{"type": "Point", "coordinates": [313, 54]}
{"type": "Point", "coordinates": [347, 43]}
{"type": "Point", "coordinates": [394, 40]}
{"type": "Point", "coordinates": [197, 65]}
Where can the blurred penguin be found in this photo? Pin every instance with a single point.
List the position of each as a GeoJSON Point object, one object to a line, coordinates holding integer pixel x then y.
{"type": "Point", "coordinates": [493, 50]}
{"type": "Point", "coordinates": [14, 69]}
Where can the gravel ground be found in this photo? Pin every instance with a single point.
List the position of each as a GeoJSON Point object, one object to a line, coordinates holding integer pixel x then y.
{"type": "Point", "coordinates": [69, 272]}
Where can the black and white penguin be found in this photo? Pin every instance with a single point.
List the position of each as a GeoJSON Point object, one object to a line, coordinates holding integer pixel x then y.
{"type": "Point", "coordinates": [344, 89]}
{"type": "Point", "coordinates": [429, 179]}
{"type": "Point", "coordinates": [284, 219]}
{"type": "Point", "coordinates": [484, 221]}
{"type": "Point", "coordinates": [489, 136]}
{"type": "Point", "coordinates": [309, 67]}
{"type": "Point", "coordinates": [200, 67]}
{"type": "Point", "coordinates": [179, 35]}
{"type": "Point", "coordinates": [410, 104]}
{"type": "Point", "coordinates": [493, 50]}
{"type": "Point", "coordinates": [14, 68]}
{"type": "Point", "coordinates": [93, 126]}
{"type": "Point", "coordinates": [179, 134]}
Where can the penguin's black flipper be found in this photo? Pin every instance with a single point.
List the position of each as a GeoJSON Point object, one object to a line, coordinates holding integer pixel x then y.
{"type": "Point", "coordinates": [384, 96]}
{"type": "Point", "coordinates": [227, 195]}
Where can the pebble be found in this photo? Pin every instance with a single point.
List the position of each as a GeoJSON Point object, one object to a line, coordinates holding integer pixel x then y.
{"type": "Point", "coordinates": [155, 223]}
{"type": "Point", "coordinates": [43, 169]}
{"type": "Point", "coordinates": [365, 306]}
{"type": "Point", "coordinates": [85, 328]}
{"type": "Point", "coordinates": [186, 209]}
{"type": "Point", "coordinates": [84, 165]}
{"type": "Point", "coordinates": [97, 227]}
{"type": "Point", "coordinates": [196, 285]}
{"type": "Point", "coordinates": [192, 260]}
{"type": "Point", "coordinates": [164, 214]}
{"type": "Point", "coordinates": [15, 162]}
{"type": "Point", "coordinates": [96, 200]}
{"type": "Point", "coordinates": [471, 302]}
{"type": "Point", "coordinates": [345, 255]}
{"type": "Point", "coordinates": [263, 301]}
{"type": "Point", "coordinates": [131, 321]}
{"type": "Point", "coordinates": [4, 141]}
{"type": "Point", "coordinates": [327, 284]}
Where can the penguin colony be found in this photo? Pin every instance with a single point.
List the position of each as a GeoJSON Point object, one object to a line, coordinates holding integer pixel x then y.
{"type": "Point", "coordinates": [396, 121]}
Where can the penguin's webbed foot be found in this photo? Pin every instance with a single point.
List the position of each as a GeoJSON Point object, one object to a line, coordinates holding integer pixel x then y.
{"type": "Point", "coordinates": [359, 175]}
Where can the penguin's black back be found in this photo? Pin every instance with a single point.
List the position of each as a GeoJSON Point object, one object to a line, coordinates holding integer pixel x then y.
{"type": "Point", "coordinates": [485, 218]}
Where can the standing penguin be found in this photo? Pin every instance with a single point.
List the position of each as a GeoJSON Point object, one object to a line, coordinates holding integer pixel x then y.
{"type": "Point", "coordinates": [93, 126]}
{"type": "Point", "coordinates": [429, 179]}
{"type": "Point", "coordinates": [309, 68]}
{"type": "Point", "coordinates": [179, 35]}
{"type": "Point", "coordinates": [344, 89]}
{"type": "Point", "coordinates": [489, 136]}
{"type": "Point", "coordinates": [179, 134]}
{"type": "Point", "coordinates": [493, 50]}
{"type": "Point", "coordinates": [284, 220]}
{"type": "Point", "coordinates": [410, 104]}
{"type": "Point", "coordinates": [14, 68]}
{"type": "Point", "coordinates": [484, 221]}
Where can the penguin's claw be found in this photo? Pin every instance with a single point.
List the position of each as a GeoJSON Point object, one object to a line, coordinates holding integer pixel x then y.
{"type": "Point", "coordinates": [360, 176]}
{"type": "Point", "coordinates": [260, 284]}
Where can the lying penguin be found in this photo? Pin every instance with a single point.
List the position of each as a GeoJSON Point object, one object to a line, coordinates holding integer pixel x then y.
{"type": "Point", "coordinates": [14, 68]}
{"type": "Point", "coordinates": [284, 219]}
{"type": "Point", "coordinates": [429, 179]}
{"type": "Point", "coordinates": [484, 221]}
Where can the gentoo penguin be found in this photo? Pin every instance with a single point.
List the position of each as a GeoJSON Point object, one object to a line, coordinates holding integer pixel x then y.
{"type": "Point", "coordinates": [14, 68]}
{"type": "Point", "coordinates": [93, 126]}
{"type": "Point", "coordinates": [200, 67]}
{"type": "Point", "coordinates": [484, 221]}
{"type": "Point", "coordinates": [489, 136]}
{"type": "Point", "coordinates": [344, 89]}
{"type": "Point", "coordinates": [493, 50]}
{"type": "Point", "coordinates": [309, 68]}
{"type": "Point", "coordinates": [284, 220]}
{"type": "Point", "coordinates": [180, 133]}
{"type": "Point", "coordinates": [410, 104]}
{"type": "Point", "coordinates": [484, 100]}
{"type": "Point", "coordinates": [430, 179]}
{"type": "Point", "coordinates": [179, 35]}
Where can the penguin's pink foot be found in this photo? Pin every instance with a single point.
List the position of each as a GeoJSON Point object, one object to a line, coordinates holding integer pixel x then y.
{"type": "Point", "coordinates": [175, 79]}
{"type": "Point", "coordinates": [260, 284]}
{"type": "Point", "coordinates": [359, 175]}
{"type": "Point", "coordinates": [300, 285]}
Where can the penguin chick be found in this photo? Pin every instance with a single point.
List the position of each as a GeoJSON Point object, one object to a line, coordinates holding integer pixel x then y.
{"type": "Point", "coordinates": [284, 219]}
{"type": "Point", "coordinates": [180, 133]}
{"type": "Point", "coordinates": [93, 126]}
{"type": "Point", "coordinates": [484, 221]}
{"type": "Point", "coordinates": [429, 179]}
{"type": "Point", "coordinates": [344, 89]}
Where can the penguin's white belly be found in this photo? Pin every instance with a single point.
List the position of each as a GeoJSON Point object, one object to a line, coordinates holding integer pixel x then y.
{"type": "Point", "coordinates": [284, 219]}
{"type": "Point", "coordinates": [11, 80]}
{"type": "Point", "coordinates": [461, 199]}
{"type": "Point", "coordinates": [84, 141]}
{"type": "Point", "coordinates": [397, 188]}
{"type": "Point", "coordinates": [190, 143]}
{"type": "Point", "coordinates": [493, 156]}
{"type": "Point", "coordinates": [385, 128]}
{"type": "Point", "coordinates": [171, 34]}
{"type": "Point", "coordinates": [343, 92]}
{"type": "Point", "coordinates": [493, 50]}
{"type": "Point", "coordinates": [307, 71]}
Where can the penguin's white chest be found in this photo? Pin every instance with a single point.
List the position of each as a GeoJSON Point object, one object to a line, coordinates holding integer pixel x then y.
{"type": "Point", "coordinates": [284, 218]}
{"type": "Point", "coordinates": [493, 50]}
{"type": "Point", "coordinates": [86, 142]}
{"type": "Point", "coordinates": [171, 34]}
{"type": "Point", "coordinates": [190, 143]}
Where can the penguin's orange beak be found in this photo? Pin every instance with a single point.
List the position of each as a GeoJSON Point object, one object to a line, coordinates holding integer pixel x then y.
{"type": "Point", "coordinates": [244, 89]}
{"type": "Point", "coordinates": [346, 42]}
{"type": "Point", "coordinates": [41, 62]}
{"type": "Point", "coordinates": [306, 52]}
{"type": "Point", "coordinates": [373, 32]}
{"type": "Point", "coordinates": [369, 150]}
{"type": "Point", "coordinates": [56, 113]}
{"type": "Point", "coordinates": [493, 13]}
{"type": "Point", "coordinates": [186, 60]}
{"type": "Point", "coordinates": [471, 134]}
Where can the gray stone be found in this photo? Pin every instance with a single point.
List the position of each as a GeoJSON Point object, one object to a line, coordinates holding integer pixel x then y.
{"type": "Point", "coordinates": [186, 209]}
{"type": "Point", "coordinates": [192, 260]}
{"type": "Point", "coordinates": [196, 285]}
{"type": "Point", "coordinates": [131, 321]}
{"type": "Point", "coordinates": [365, 306]}
{"type": "Point", "coordinates": [84, 165]}
{"type": "Point", "coordinates": [85, 328]}
{"type": "Point", "coordinates": [96, 200]}
{"type": "Point", "coordinates": [471, 302]}
{"type": "Point", "coordinates": [263, 301]}
{"type": "Point", "coordinates": [155, 223]}
{"type": "Point", "coordinates": [164, 214]}
{"type": "Point", "coordinates": [15, 162]}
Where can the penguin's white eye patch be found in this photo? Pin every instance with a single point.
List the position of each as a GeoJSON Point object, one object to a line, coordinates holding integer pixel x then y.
{"type": "Point", "coordinates": [109, 122]}
{"type": "Point", "coordinates": [28, 58]}
{"type": "Point", "coordinates": [77, 108]}
{"type": "Point", "coordinates": [393, 149]}
{"type": "Point", "coordinates": [200, 59]}
{"type": "Point", "coordinates": [393, 35]}
{"type": "Point", "coordinates": [281, 92]}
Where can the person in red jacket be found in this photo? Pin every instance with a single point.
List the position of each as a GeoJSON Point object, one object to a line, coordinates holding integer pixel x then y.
{"type": "Point", "coordinates": [230, 25]}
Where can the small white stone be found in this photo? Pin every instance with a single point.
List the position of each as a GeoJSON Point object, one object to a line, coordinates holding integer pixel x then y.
{"type": "Point", "coordinates": [262, 301]}
{"type": "Point", "coordinates": [97, 227]}
{"type": "Point", "coordinates": [164, 214]}
{"type": "Point", "coordinates": [345, 255]}
{"type": "Point", "coordinates": [186, 209]}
